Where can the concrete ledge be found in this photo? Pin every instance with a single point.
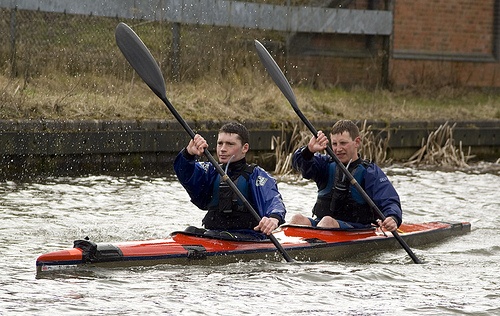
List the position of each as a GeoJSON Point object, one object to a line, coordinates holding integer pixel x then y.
{"type": "Point", "coordinates": [81, 147]}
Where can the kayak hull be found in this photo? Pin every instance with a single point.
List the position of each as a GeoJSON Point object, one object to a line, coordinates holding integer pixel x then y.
{"type": "Point", "coordinates": [302, 243]}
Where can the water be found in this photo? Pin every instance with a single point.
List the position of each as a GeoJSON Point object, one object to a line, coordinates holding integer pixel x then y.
{"type": "Point", "coordinates": [461, 275]}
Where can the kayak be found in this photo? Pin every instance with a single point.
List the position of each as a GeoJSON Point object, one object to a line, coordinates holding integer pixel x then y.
{"type": "Point", "coordinates": [301, 242]}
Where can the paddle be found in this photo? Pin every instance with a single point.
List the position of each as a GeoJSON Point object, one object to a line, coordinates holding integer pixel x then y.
{"type": "Point", "coordinates": [282, 83]}
{"type": "Point", "coordinates": [140, 58]}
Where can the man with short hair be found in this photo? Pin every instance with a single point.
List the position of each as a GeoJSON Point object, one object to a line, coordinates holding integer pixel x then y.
{"type": "Point", "coordinates": [227, 215]}
{"type": "Point", "coordinates": [339, 204]}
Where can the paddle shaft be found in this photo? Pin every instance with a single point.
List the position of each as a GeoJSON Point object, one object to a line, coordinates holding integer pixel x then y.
{"type": "Point", "coordinates": [140, 58]}
{"type": "Point", "coordinates": [283, 84]}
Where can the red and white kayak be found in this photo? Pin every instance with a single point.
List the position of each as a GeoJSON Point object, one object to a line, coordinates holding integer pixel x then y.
{"type": "Point", "coordinates": [302, 243]}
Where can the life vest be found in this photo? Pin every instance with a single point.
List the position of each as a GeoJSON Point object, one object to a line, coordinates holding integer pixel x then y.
{"type": "Point", "coordinates": [340, 199]}
{"type": "Point", "coordinates": [226, 210]}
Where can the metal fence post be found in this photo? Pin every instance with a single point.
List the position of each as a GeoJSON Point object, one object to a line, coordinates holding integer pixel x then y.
{"type": "Point", "coordinates": [13, 70]}
{"type": "Point", "coordinates": [176, 51]}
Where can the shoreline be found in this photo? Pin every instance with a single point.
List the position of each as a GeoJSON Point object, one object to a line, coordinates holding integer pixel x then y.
{"type": "Point", "coordinates": [32, 148]}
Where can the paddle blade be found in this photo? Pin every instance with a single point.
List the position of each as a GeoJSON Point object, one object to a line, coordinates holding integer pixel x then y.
{"type": "Point", "coordinates": [275, 72]}
{"type": "Point", "coordinates": [140, 58]}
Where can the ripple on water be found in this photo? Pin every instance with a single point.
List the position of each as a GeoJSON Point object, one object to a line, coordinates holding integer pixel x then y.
{"type": "Point", "coordinates": [460, 275]}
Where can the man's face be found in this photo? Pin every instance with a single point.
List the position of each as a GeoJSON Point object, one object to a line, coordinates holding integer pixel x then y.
{"type": "Point", "coordinates": [344, 147]}
{"type": "Point", "coordinates": [228, 145]}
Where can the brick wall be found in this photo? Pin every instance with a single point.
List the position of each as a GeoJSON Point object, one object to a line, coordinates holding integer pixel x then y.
{"type": "Point", "coordinates": [443, 42]}
{"type": "Point", "coordinates": [335, 59]}
{"type": "Point", "coordinates": [444, 26]}
{"type": "Point", "coordinates": [324, 60]}
{"type": "Point", "coordinates": [435, 43]}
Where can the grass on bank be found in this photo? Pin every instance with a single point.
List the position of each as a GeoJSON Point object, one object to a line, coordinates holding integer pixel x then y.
{"type": "Point", "coordinates": [249, 96]}
{"type": "Point", "coordinates": [69, 67]}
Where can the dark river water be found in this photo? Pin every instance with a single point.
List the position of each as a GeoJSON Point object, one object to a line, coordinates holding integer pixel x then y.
{"type": "Point", "coordinates": [461, 276]}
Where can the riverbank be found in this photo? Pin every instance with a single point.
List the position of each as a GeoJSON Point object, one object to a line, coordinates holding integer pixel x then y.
{"type": "Point", "coordinates": [32, 148]}
{"type": "Point", "coordinates": [245, 96]}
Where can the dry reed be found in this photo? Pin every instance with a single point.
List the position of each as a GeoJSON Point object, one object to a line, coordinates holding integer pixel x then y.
{"type": "Point", "coordinates": [439, 150]}
{"type": "Point", "coordinates": [374, 147]}
{"type": "Point", "coordinates": [283, 150]}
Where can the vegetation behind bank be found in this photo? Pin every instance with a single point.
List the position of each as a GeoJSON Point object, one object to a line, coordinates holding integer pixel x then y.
{"type": "Point", "coordinates": [69, 67]}
{"type": "Point", "coordinates": [249, 97]}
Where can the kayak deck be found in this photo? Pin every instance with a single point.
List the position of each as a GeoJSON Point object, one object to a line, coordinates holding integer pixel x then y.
{"type": "Point", "coordinates": [301, 242]}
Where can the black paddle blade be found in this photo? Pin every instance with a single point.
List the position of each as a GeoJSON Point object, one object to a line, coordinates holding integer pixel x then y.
{"type": "Point", "coordinates": [140, 58]}
{"type": "Point", "coordinates": [279, 78]}
{"type": "Point", "coordinates": [275, 72]}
